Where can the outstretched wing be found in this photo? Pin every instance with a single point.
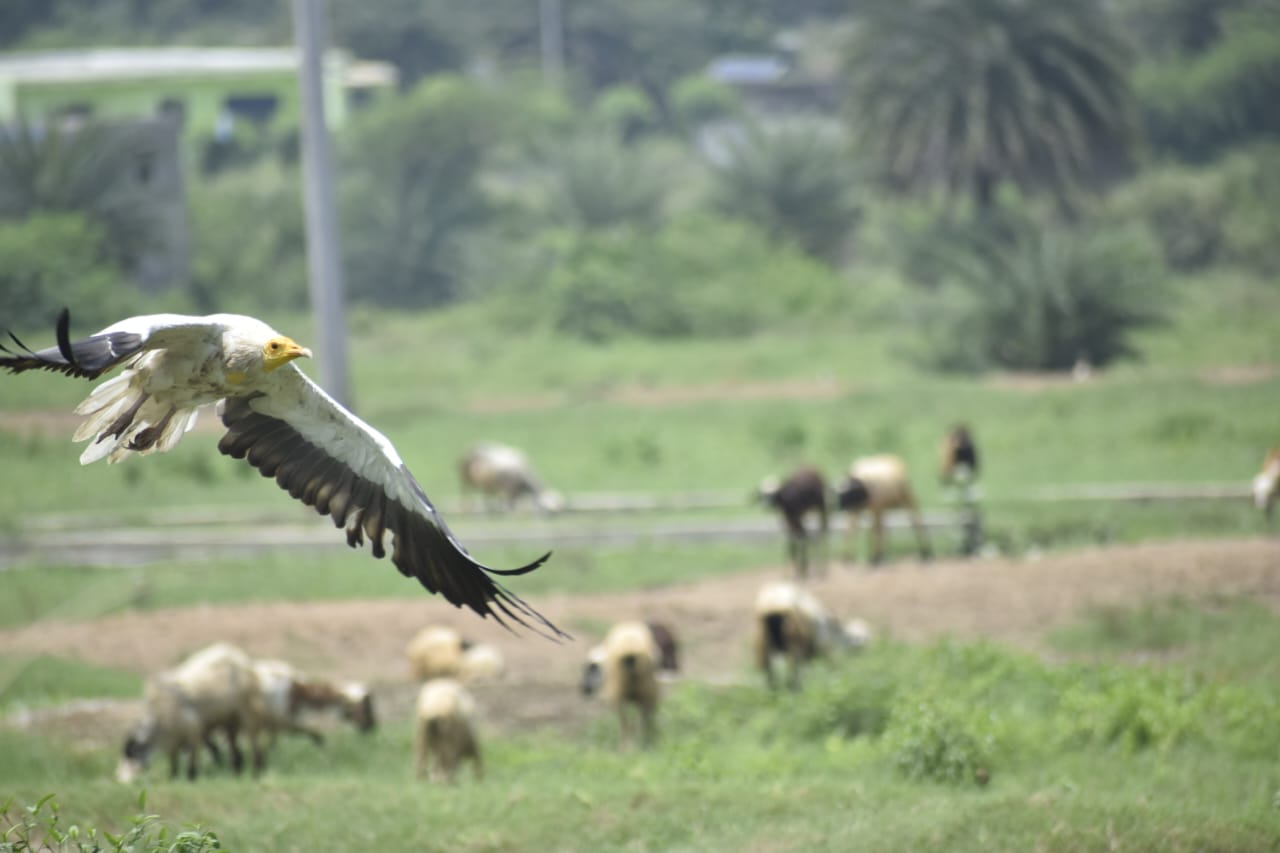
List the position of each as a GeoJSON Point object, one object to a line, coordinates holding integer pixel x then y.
{"type": "Point", "coordinates": [100, 353]}
{"type": "Point", "coordinates": [329, 459]}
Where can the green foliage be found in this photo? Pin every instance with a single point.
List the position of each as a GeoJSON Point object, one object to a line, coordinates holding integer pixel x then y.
{"type": "Point", "coordinates": [1206, 216]}
{"type": "Point", "coordinates": [1194, 108]}
{"type": "Point", "coordinates": [647, 45]}
{"type": "Point", "coordinates": [417, 38]}
{"type": "Point", "coordinates": [933, 741]}
{"type": "Point", "coordinates": [697, 99]}
{"type": "Point", "coordinates": [966, 95]}
{"type": "Point", "coordinates": [89, 171]}
{"type": "Point", "coordinates": [600, 183]}
{"type": "Point", "coordinates": [52, 260]}
{"type": "Point", "coordinates": [625, 110]}
{"type": "Point", "coordinates": [795, 185]}
{"type": "Point", "coordinates": [695, 277]}
{"type": "Point", "coordinates": [1022, 295]}
{"type": "Point", "coordinates": [413, 194]}
{"type": "Point", "coordinates": [1133, 710]}
{"type": "Point", "coordinates": [239, 264]}
{"type": "Point", "coordinates": [36, 827]}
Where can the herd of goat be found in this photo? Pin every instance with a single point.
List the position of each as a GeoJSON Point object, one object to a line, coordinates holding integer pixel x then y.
{"type": "Point", "coordinates": [221, 693]}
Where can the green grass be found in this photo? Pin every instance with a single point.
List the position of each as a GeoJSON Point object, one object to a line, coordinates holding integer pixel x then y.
{"type": "Point", "coordinates": [738, 768]}
{"type": "Point", "coordinates": [48, 680]}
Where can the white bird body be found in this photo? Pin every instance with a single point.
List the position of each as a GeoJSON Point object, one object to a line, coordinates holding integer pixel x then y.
{"type": "Point", "coordinates": [279, 421]}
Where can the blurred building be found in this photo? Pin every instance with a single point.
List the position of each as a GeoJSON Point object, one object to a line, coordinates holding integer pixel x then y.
{"type": "Point", "coordinates": [174, 103]}
{"type": "Point", "coordinates": [209, 88]}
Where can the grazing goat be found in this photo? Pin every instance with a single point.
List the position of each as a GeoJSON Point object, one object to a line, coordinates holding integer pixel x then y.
{"type": "Point", "coordinates": [959, 468]}
{"type": "Point", "coordinates": [444, 730]}
{"type": "Point", "coordinates": [959, 457]}
{"type": "Point", "coordinates": [802, 493]}
{"type": "Point", "coordinates": [628, 661]}
{"type": "Point", "coordinates": [441, 652]}
{"type": "Point", "coordinates": [664, 640]}
{"type": "Point", "coordinates": [878, 484]}
{"type": "Point", "coordinates": [502, 472]}
{"type": "Point", "coordinates": [793, 625]}
{"type": "Point", "coordinates": [288, 693]}
{"type": "Point", "coordinates": [213, 690]}
{"type": "Point", "coordinates": [436, 652]}
{"type": "Point", "coordinates": [1266, 486]}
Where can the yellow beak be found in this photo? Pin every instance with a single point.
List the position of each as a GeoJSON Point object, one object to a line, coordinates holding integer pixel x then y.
{"type": "Point", "coordinates": [288, 353]}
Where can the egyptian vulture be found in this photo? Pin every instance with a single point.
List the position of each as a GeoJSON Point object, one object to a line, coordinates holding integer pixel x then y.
{"type": "Point", "coordinates": [281, 423]}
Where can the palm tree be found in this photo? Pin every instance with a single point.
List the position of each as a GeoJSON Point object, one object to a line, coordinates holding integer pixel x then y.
{"type": "Point", "coordinates": [967, 94]}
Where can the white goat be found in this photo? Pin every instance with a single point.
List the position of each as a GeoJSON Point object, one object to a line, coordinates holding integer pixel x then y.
{"type": "Point", "coordinates": [213, 690]}
{"type": "Point", "coordinates": [444, 730]}
{"type": "Point", "coordinates": [438, 651]}
{"type": "Point", "coordinates": [628, 661]}
{"type": "Point", "coordinates": [1266, 486]}
{"type": "Point", "coordinates": [502, 472]}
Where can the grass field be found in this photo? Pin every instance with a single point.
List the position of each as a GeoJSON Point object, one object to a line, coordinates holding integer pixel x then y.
{"type": "Point", "coordinates": [882, 752]}
{"type": "Point", "coordinates": [1153, 726]}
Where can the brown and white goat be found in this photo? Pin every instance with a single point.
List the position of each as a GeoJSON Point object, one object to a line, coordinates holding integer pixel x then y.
{"type": "Point", "coordinates": [877, 484]}
{"type": "Point", "coordinates": [801, 494]}
{"type": "Point", "coordinates": [958, 464]}
{"type": "Point", "coordinates": [288, 694]}
{"type": "Point", "coordinates": [1266, 486]}
{"type": "Point", "coordinates": [627, 665]}
{"type": "Point", "coordinates": [503, 473]}
{"type": "Point", "coordinates": [792, 624]}
{"type": "Point", "coordinates": [959, 469]}
{"type": "Point", "coordinates": [668, 660]}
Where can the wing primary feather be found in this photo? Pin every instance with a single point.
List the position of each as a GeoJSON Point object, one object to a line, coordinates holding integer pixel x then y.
{"type": "Point", "coordinates": [62, 331]}
{"type": "Point", "coordinates": [422, 545]}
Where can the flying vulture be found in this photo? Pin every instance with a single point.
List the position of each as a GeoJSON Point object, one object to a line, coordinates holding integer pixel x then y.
{"type": "Point", "coordinates": [281, 423]}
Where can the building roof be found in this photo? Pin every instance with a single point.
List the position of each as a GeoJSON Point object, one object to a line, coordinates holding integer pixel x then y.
{"type": "Point", "coordinates": [100, 65]}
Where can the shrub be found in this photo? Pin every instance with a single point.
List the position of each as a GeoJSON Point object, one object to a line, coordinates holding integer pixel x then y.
{"type": "Point", "coordinates": [627, 111]}
{"type": "Point", "coordinates": [697, 99]}
{"type": "Point", "coordinates": [600, 183]}
{"type": "Point", "coordinates": [1016, 294]}
{"type": "Point", "coordinates": [1225, 212]}
{"type": "Point", "coordinates": [697, 276]}
{"type": "Point", "coordinates": [249, 242]}
{"type": "Point", "coordinates": [936, 741]}
{"type": "Point", "coordinates": [1223, 97]}
{"type": "Point", "coordinates": [52, 260]}
{"type": "Point", "coordinates": [40, 826]}
{"type": "Point", "coordinates": [794, 185]}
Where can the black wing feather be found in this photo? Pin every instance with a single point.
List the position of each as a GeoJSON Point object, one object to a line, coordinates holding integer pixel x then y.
{"type": "Point", "coordinates": [88, 359]}
{"type": "Point", "coordinates": [423, 547]}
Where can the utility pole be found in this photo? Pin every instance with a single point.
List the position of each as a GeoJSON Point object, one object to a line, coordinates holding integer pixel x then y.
{"type": "Point", "coordinates": [324, 267]}
{"type": "Point", "coordinates": [551, 29]}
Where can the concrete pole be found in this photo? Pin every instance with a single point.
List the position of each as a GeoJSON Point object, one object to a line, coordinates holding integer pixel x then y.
{"type": "Point", "coordinates": [323, 258]}
{"type": "Point", "coordinates": [551, 29]}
